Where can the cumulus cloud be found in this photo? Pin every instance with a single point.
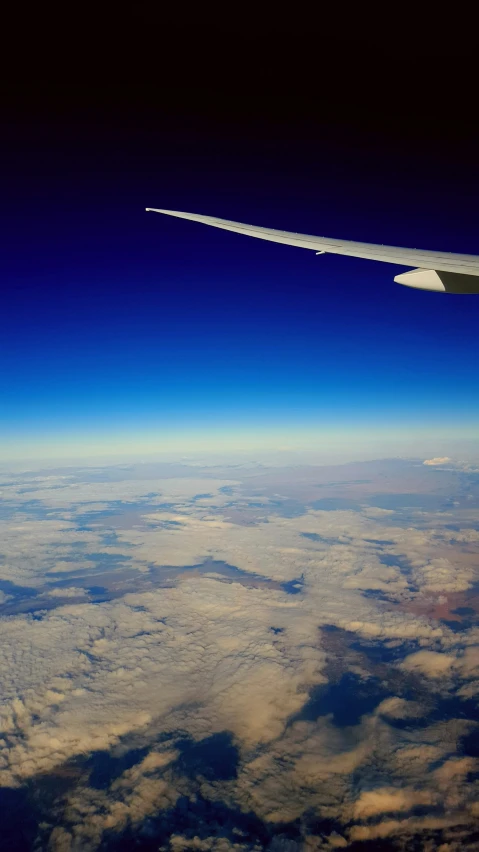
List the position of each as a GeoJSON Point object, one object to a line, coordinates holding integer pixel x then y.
{"type": "Point", "coordinates": [428, 663]}
{"type": "Point", "coordinates": [400, 708]}
{"type": "Point", "coordinates": [388, 800]}
{"type": "Point", "coordinates": [121, 664]}
{"type": "Point", "coordinates": [437, 461]}
{"type": "Point", "coordinates": [67, 592]}
{"type": "Point", "coordinates": [135, 795]}
{"type": "Point", "coordinates": [408, 827]}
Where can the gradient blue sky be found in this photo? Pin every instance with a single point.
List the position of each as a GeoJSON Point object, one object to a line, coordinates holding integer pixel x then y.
{"type": "Point", "coordinates": [126, 328]}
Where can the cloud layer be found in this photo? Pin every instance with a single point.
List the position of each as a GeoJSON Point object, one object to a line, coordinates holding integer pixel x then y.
{"type": "Point", "coordinates": [298, 676]}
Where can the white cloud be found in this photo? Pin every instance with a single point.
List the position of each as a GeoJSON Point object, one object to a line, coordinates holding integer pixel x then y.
{"type": "Point", "coordinates": [389, 799]}
{"type": "Point", "coordinates": [67, 592]}
{"type": "Point", "coordinates": [428, 663]}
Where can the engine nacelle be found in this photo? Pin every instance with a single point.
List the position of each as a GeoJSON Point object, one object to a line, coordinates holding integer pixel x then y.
{"type": "Point", "coordinates": [441, 282]}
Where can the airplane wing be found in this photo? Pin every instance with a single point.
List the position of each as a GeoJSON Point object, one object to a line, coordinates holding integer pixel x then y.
{"type": "Point", "coordinates": [434, 270]}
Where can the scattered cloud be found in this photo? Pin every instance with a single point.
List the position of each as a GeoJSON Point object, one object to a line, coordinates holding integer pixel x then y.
{"type": "Point", "coordinates": [371, 803]}
{"type": "Point", "coordinates": [428, 663]}
{"type": "Point", "coordinates": [67, 592]}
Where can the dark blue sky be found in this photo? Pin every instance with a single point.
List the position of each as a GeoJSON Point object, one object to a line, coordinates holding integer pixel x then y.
{"type": "Point", "coordinates": [120, 323]}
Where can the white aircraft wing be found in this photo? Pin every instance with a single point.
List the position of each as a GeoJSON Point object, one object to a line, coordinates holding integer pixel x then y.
{"type": "Point", "coordinates": [434, 270]}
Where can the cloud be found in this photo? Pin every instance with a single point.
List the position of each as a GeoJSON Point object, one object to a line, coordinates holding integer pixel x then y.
{"type": "Point", "coordinates": [179, 843]}
{"type": "Point", "coordinates": [190, 655]}
{"type": "Point", "coordinates": [454, 465]}
{"type": "Point", "coordinates": [428, 663]}
{"type": "Point", "coordinates": [407, 827]}
{"type": "Point", "coordinates": [119, 665]}
{"type": "Point", "coordinates": [441, 575]}
{"type": "Point", "coordinates": [457, 768]}
{"type": "Point", "coordinates": [67, 592]}
{"type": "Point", "coordinates": [400, 708]}
{"type": "Point", "coordinates": [388, 800]}
{"type": "Point", "coordinates": [77, 566]}
{"type": "Point", "coordinates": [136, 794]}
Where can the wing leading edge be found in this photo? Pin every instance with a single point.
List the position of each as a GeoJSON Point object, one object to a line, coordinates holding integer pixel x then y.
{"type": "Point", "coordinates": [440, 271]}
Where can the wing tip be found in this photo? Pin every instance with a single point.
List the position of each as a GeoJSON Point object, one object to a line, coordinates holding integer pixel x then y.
{"type": "Point", "coordinates": [159, 210]}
